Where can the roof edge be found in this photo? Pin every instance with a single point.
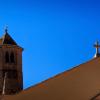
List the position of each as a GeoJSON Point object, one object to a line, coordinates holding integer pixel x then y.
{"type": "Point", "coordinates": [59, 74]}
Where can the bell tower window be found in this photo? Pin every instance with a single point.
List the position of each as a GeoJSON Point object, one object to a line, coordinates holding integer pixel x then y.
{"type": "Point", "coordinates": [7, 57]}
{"type": "Point", "coordinates": [12, 58]}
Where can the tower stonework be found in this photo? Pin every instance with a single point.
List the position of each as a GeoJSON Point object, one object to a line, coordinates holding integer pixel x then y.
{"type": "Point", "coordinates": [11, 77]}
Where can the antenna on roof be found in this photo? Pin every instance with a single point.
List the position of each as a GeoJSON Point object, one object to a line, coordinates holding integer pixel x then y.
{"type": "Point", "coordinates": [97, 46]}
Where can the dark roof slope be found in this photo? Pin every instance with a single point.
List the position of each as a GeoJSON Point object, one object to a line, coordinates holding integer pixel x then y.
{"type": "Point", "coordinates": [7, 39]}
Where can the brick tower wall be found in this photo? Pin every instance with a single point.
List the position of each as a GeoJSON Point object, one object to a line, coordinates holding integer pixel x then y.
{"type": "Point", "coordinates": [13, 70]}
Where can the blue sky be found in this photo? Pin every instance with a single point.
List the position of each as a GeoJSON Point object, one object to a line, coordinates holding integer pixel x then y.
{"type": "Point", "coordinates": [56, 34]}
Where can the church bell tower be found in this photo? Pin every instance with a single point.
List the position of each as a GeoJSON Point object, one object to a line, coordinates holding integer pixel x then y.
{"type": "Point", "coordinates": [11, 77]}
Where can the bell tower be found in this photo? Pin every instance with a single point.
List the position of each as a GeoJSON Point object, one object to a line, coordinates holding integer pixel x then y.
{"type": "Point", "coordinates": [11, 77]}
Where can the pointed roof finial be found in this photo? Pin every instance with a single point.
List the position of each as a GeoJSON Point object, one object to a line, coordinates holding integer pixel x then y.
{"type": "Point", "coordinates": [97, 46]}
{"type": "Point", "coordinates": [6, 29]}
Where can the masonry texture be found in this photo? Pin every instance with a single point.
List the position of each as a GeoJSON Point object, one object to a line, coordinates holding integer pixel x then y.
{"type": "Point", "coordinates": [11, 79]}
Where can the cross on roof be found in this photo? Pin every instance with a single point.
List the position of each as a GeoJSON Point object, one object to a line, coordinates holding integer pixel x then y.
{"type": "Point", "coordinates": [97, 46]}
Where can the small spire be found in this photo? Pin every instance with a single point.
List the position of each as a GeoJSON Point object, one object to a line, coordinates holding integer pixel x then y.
{"type": "Point", "coordinates": [6, 29]}
{"type": "Point", "coordinates": [97, 46]}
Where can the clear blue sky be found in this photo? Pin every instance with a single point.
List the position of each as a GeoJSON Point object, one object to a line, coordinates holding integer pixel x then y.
{"type": "Point", "coordinates": [56, 34]}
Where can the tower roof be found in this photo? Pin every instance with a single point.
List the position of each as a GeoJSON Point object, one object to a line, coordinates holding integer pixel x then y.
{"type": "Point", "coordinates": [7, 39]}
